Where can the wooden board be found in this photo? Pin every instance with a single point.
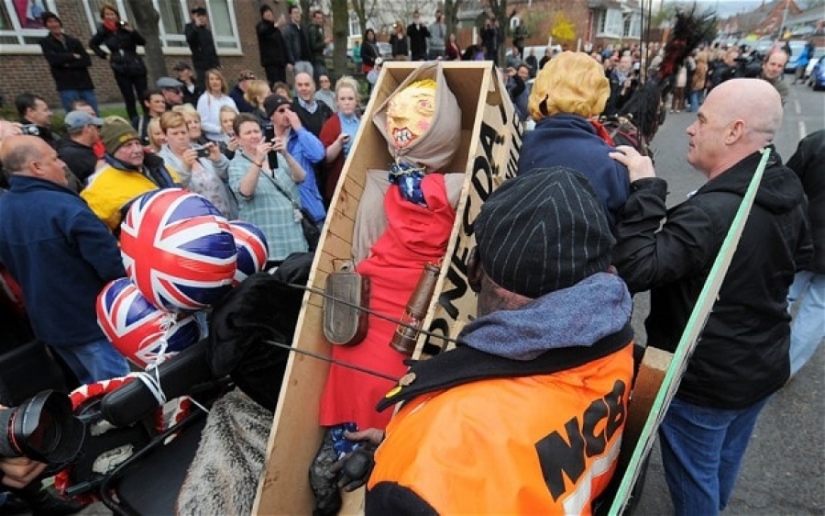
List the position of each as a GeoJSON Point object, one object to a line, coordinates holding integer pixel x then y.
{"type": "Point", "coordinates": [644, 415]}
{"type": "Point", "coordinates": [490, 142]}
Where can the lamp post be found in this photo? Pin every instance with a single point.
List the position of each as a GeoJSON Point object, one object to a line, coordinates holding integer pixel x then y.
{"type": "Point", "coordinates": [784, 17]}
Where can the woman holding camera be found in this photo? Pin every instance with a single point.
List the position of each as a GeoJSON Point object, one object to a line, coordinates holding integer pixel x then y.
{"type": "Point", "coordinates": [267, 196]}
{"type": "Point", "coordinates": [338, 133]}
{"type": "Point", "coordinates": [201, 169]}
{"type": "Point", "coordinates": [122, 41]}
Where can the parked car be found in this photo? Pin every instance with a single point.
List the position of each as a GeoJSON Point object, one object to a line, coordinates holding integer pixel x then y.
{"type": "Point", "coordinates": [385, 49]}
{"type": "Point", "coordinates": [817, 78]}
{"type": "Point", "coordinates": [818, 52]}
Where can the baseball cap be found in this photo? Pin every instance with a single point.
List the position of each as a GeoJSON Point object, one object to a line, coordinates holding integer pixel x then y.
{"type": "Point", "coordinates": [166, 83]}
{"type": "Point", "coordinates": [79, 119]}
{"type": "Point", "coordinates": [245, 74]}
{"type": "Point", "coordinates": [181, 65]}
{"type": "Point", "coordinates": [198, 10]}
{"type": "Point", "coordinates": [273, 102]}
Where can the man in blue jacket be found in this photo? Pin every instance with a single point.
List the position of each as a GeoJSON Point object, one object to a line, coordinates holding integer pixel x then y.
{"type": "Point", "coordinates": [61, 254]}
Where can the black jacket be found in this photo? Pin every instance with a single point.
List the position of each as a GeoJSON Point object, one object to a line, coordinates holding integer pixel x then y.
{"type": "Point", "coordinates": [69, 72]}
{"type": "Point", "coordinates": [202, 45]}
{"type": "Point", "coordinates": [742, 355]}
{"type": "Point", "coordinates": [297, 44]}
{"type": "Point", "coordinates": [317, 43]}
{"type": "Point", "coordinates": [399, 45]}
{"type": "Point", "coordinates": [80, 158]}
{"type": "Point", "coordinates": [271, 45]}
{"type": "Point", "coordinates": [122, 45]}
{"type": "Point", "coordinates": [809, 164]}
{"type": "Point", "coordinates": [418, 34]}
{"type": "Point", "coordinates": [369, 52]}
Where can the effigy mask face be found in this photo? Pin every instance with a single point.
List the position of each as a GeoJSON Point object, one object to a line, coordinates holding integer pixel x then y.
{"type": "Point", "coordinates": [410, 113]}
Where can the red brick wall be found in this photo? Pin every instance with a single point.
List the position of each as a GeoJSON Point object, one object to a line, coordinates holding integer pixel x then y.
{"type": "Point", "coordinates": [30, 72]}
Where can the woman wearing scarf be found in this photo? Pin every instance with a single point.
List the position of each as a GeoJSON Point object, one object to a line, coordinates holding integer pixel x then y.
{"type": "Point", "coordinates": [122, 41]}
{"type": "Point", "coordinates": [338, 133]}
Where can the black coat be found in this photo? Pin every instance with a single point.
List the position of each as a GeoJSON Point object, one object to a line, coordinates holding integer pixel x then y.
{"type": "Point", "coordinates": [369, 51]}
{"type": "Point", "coordinates": [122, 45]}
{"type": "Point", "coordinates": [809, 164]}
{"type": "Point", "coordinates": [80, 158]}
{"type": "Point", "coordinates": [69, 72]}
{"type": "Point", "coordinates": [399, 45]}
{"type": "Point", "coordinates": [742, 356]}
{"type": "Point", "coordinates": [271, 45]}
{"type": "Point", "coordinates": [202, 45]}
{"type": "Point", "coordinates": [418, 35]}
{"type": "Point", "coordinates": [297, 43]}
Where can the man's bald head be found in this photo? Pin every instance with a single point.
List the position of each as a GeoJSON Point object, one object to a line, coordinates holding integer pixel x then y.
{"type": "Point", "coordinates": [18, 151]}
{"type": "Point", "coordinates": [31, 156]}
{"type": "Point", "coordinates": [738, 118]}
{"type": "Point", "coordinates": [757, 104]}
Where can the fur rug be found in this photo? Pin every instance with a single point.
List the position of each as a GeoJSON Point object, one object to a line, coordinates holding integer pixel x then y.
{"type": "Point", "coordinates": [223, 478]}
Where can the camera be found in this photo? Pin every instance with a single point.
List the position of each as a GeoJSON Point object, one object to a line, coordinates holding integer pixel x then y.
{"type": "Point", "coordinates": [269, 132]}
{"type": "Point", "coordinates": [121, 23]}
{"type": "Point", "coordinates": [30, 129]}
{"type": "Point", "coordinates": [42, 428]}
{"type": "Point", "coordinates": [203, 152]}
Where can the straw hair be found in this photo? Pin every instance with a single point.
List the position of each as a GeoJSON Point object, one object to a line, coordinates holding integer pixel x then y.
{"type": "Point", "coordinates": [573, 83]}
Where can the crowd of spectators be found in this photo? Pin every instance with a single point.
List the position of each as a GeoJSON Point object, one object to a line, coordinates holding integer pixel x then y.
{"type": "Point", "coordinates": [265, 154]}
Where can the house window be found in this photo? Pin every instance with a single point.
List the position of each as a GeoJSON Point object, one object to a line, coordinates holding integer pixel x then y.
{"type": "Point", "coordinates": [20, 21]}
{"type": "Point", "coordinates": [631, 25]}
{"type": "Point", "coordinates": [174, 15]}
{"type": "Point", "coordinates": [610, 23]}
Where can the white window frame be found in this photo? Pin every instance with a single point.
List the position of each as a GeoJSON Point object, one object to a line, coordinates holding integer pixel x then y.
{"type": "Point", "coordinates": [20, 33]}
{"type": "Point", "coordinates": [611, 23]}
{"type": "Point", "coordinates": [94, 20]}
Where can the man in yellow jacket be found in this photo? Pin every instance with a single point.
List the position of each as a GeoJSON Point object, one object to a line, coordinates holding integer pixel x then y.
{"type": "Point", "coordinates": [526, 415]}
{"type": "Point", "coordinates": [128, 174]}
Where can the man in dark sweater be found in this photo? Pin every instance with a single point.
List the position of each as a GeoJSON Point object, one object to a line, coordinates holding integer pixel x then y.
{"type": "Point", "coordinates": [312, 113]}
{"type": "Point", "coordinates": [69, 63]}
{"type": "Point", "coordinates": [297, 42]}
{"type": "Point", "coordinates": [202, 44]}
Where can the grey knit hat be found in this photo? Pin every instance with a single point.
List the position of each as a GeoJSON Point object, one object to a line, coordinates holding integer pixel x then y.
{"type": "Point", "coordinates": [542, 232]}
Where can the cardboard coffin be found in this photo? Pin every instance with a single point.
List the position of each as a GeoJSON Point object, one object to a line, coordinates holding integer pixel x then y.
{"type": "Point", "coordinates": [488, 154]}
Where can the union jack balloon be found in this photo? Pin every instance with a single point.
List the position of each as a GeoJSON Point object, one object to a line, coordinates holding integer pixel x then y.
{"type": "Point", "coordinates": [137, 329]}
{"type": "Point", "coordinates": [178, 249]}
{"type": "Point", "coordinates": [252, 249]}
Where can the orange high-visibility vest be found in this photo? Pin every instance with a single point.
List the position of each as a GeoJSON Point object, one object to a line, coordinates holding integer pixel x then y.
{"type": "Point", "coordinates": [544, 444]}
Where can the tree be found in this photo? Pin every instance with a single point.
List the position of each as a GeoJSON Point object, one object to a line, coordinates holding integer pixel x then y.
{"type": "Point", "coordinates": [451, 8]}
{"type": "Point", "coordinates": [364, 9]}
{"type": "Point", "coordinates": [563, 30]}
{"type": "Point", "coordinates": [340, 31]}
{"type": "Point", "coordinates": [499, 10]}
{"type": "Point", "coordinates": [146, 21]}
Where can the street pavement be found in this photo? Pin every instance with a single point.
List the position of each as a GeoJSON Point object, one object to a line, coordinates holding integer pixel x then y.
{"type": "Point", "coordinates": [783, 472]}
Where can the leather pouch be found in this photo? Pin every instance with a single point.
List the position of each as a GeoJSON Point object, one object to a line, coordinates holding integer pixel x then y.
{"type": "Point", "coordinates": [346, 324]}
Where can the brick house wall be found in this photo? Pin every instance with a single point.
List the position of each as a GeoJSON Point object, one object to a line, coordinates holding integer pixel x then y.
{"type": "Point", "coordinates": [30, 72]}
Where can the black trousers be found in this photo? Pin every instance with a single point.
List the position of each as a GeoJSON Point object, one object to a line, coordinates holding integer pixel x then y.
{"type": "Point", "coordinates": [275, 73]}
{"type": "Point", "coordinates": [132, 88]}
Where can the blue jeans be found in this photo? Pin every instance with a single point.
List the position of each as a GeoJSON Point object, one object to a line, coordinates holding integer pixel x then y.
{"type": "Point", "coordinates": [702, 449]}
{"type": "Point", "coordinates": [695, 100]}
{"type": "Point", "coordinates": [69, 96]}
{"type": "Point", "coordinates": [808, 326]}
{"type": "Point", "coordinates": [94, 361]}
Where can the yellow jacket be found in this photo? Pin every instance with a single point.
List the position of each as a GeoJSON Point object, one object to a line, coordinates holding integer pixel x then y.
{"type": "Point", "coordinates": [111, 190]}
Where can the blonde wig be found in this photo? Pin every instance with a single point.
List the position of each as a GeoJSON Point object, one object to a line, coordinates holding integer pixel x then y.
{"type": "Point", "coordinates": [571, 82]}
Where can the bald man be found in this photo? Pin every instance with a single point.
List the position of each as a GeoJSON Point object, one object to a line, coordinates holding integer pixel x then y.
{"type": "Point", "coordinates": [772, 69]}
{"type": "Point", "coordinates": [61, 255]}
{"type": "Point", "coordinates": [742, 356]}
